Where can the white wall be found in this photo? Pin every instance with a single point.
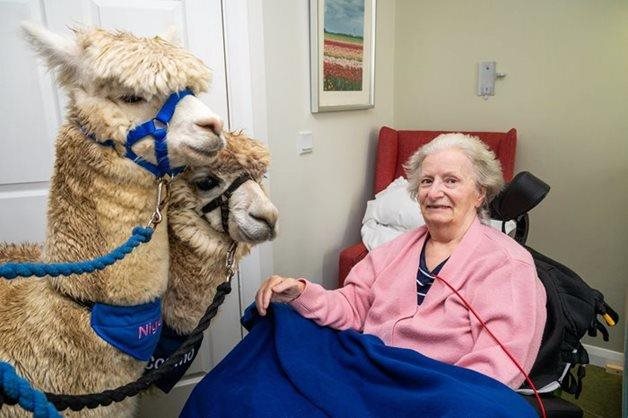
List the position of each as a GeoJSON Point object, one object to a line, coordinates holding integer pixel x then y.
{"type": "Point", "coordinates": [321, 197]}
{"type": "Point", "coordinates": [566, 92]}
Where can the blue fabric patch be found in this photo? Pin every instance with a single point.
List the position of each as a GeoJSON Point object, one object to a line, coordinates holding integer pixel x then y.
{"type": "Point", "coordinates": [287, 366]}
{"type": "Point", "coordinates": [134, 330]}
{"type": "Point", "coordinates": [169, 342]}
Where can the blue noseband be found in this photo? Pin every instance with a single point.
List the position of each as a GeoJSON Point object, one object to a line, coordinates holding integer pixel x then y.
{"type": "Point", "coordinates": [159, 133]}
{"type": "Point", "coordinates": [158, 129]}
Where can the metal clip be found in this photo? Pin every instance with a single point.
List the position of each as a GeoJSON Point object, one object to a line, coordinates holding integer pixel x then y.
{"type": "Point", "coordinates": [230, 261]}
{"type": "Point", "coordinates": [162, 199]}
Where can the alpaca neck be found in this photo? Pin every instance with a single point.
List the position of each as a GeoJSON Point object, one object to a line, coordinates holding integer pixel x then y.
{"type": "Point", "coordinates": [197, 267]}
{"type": "Point", "coordinates": [96, 199]}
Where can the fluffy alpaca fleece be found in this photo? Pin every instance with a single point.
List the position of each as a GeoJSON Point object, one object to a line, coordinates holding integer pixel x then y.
{"type": "Point", "coordinates": [96, 197]}
{"type": "Point", "coordinates": [198, 246]}
{"type": "Point", "coordinates": [144, 66]}
{"type": "Point", "coordinates": [19, 253]}
{"type": "Point", "coordinates": [45, 334]}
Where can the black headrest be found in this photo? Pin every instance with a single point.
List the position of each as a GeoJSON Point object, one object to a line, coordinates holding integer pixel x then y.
{"type": "Point", "coordinates": [523, 193]}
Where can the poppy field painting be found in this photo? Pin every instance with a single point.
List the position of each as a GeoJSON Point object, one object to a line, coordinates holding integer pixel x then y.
{"type": "Point", "coordinates": [342, 38]}
{"type": "Point", "coordinates": [343, 45]}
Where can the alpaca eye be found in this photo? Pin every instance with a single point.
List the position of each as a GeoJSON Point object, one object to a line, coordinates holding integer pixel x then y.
{"type": "Point", "coordinates": [206, 183]}
{"type": "Point", "coordinates": [131, 99]}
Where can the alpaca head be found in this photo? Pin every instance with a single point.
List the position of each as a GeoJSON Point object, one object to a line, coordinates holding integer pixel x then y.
{"type": "Point", "coordinates": [251, 215]}
{"type": "Point", "coordinates": [115, 81]}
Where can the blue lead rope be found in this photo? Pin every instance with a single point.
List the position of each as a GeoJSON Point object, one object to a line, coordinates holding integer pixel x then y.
{"type": "Point", "coordinates": [16, 387]}
{"type": "Point", "coordinates": [19, 389]}
{"type": "Point", "coordinates": [13, 270]}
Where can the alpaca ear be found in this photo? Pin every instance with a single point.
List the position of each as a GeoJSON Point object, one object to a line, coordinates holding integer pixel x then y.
{"type": "Point", "coordinates": [171, 35]}
{"type": "Point", "coordinates": [55, 49]}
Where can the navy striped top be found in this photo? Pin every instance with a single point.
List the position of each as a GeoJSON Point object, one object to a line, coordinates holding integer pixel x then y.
{"type": "Point", "coordinates": [424, 277]}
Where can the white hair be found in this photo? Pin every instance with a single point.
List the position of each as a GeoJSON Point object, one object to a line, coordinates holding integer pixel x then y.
{"type": "Point", "coordinates": [486, 167]}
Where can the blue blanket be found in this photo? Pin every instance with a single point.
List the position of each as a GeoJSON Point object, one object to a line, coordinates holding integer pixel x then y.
{"type": "Point", "coordinates": [287, 366]}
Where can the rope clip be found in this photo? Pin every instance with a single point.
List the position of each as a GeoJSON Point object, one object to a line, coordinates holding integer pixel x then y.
{"type": "Point", "coordinates": [161, 201]}
{"type": "Point", "coordinates": [230, 261]}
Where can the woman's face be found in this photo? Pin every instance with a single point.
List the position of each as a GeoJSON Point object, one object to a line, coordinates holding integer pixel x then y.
{"type": "Point", "coordinates": [448, 194]}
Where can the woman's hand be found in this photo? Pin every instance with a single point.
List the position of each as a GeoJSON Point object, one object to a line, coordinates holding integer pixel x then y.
{"type": "Point", "coordinates": [277, 289]}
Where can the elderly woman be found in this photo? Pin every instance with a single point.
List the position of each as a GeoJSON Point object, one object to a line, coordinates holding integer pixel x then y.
{"type": "Point", "coordinates": [326, 359]}
{"type": "Point", "coordinates": [398, 292]}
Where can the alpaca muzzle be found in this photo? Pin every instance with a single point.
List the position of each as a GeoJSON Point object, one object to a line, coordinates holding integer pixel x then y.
{"type": "Point", "coordinates": [222, 201]}
{"type": "Point", "coordinates": [158, 129]}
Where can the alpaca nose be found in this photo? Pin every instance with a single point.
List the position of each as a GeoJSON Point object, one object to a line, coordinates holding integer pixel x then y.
{"type": "Point", "coordinates": [269, 217]}
{"type": "Point", "coordinates": [212, 124]}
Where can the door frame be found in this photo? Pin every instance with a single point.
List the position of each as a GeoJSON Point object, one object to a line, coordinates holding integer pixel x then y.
{"type": "Point", "coordinates": [246, 91]}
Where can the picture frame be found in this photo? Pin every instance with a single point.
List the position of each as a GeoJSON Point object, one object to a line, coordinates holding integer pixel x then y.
{"type": "Point", "coordinates": [342, 54]}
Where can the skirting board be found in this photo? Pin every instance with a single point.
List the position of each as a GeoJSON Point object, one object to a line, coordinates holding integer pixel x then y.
{"type": "Point", "coordinates": [601, 356]}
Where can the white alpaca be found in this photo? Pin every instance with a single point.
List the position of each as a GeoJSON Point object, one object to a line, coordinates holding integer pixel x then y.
{"type": "Point", "coordinates": [199, 246]}
{"type": "Point", "coordinates": [114, 82]}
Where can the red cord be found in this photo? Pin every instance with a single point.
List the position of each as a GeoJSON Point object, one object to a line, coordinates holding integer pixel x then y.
{"type": "Point", "coordinates": [536, 392]}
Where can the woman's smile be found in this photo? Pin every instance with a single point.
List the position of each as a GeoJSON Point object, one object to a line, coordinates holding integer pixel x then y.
{"type": "Point", "coordinates": [437, 207]}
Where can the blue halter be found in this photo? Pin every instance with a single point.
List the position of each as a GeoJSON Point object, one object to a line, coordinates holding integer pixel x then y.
{"type": "Point", "coordinates": [159, 133]}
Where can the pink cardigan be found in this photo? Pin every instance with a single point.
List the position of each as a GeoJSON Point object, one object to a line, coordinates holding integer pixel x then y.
{"type": "Point", "coordinates": [494, 274]}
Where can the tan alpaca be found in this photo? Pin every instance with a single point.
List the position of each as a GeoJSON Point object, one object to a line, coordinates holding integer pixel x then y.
{"type": "Point", "coordinates": [198, 246]}
{"type": "Point", "coordinates": [114, 81]}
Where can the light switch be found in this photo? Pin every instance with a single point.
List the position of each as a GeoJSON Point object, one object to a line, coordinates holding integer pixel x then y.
{"type": "Point", "coordinates": [305, 142]}
{"type": "Point", "coordinates": [486, 78]}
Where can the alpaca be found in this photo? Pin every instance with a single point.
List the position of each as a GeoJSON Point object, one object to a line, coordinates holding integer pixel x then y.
{"type": "Point", "coordinates": [114, 82]}
{"type": "Point", "coordinates": [199, 245]}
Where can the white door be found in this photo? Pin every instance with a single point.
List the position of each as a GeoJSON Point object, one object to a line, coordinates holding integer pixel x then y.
{"type": "Point", "coordinates": [32, 109]}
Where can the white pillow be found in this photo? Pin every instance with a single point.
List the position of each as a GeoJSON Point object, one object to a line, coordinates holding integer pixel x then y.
{"type": "Point", "coordinates": [393, 207]}
{"type": "Point", "coordinates": [393, 212]}
{"type": "Point", "coordinates": [375, 234]}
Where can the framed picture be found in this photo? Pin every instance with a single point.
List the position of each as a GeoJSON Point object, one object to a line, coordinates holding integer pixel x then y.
{"type": "Point", "coordinates": [342, 54]}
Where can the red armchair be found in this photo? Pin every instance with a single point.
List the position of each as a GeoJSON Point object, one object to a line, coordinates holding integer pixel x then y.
{"type": "Point", "coordinates": [393, 150]}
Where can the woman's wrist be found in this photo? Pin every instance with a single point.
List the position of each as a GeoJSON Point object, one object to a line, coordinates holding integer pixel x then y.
{"type": "Point", "coordinates": [301, 283]}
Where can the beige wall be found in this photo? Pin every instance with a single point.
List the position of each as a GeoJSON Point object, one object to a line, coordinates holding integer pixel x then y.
{"type": "Point", "coordinates": [321, 197]}
{"type": "Point", "coordinates": [566, 93]}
